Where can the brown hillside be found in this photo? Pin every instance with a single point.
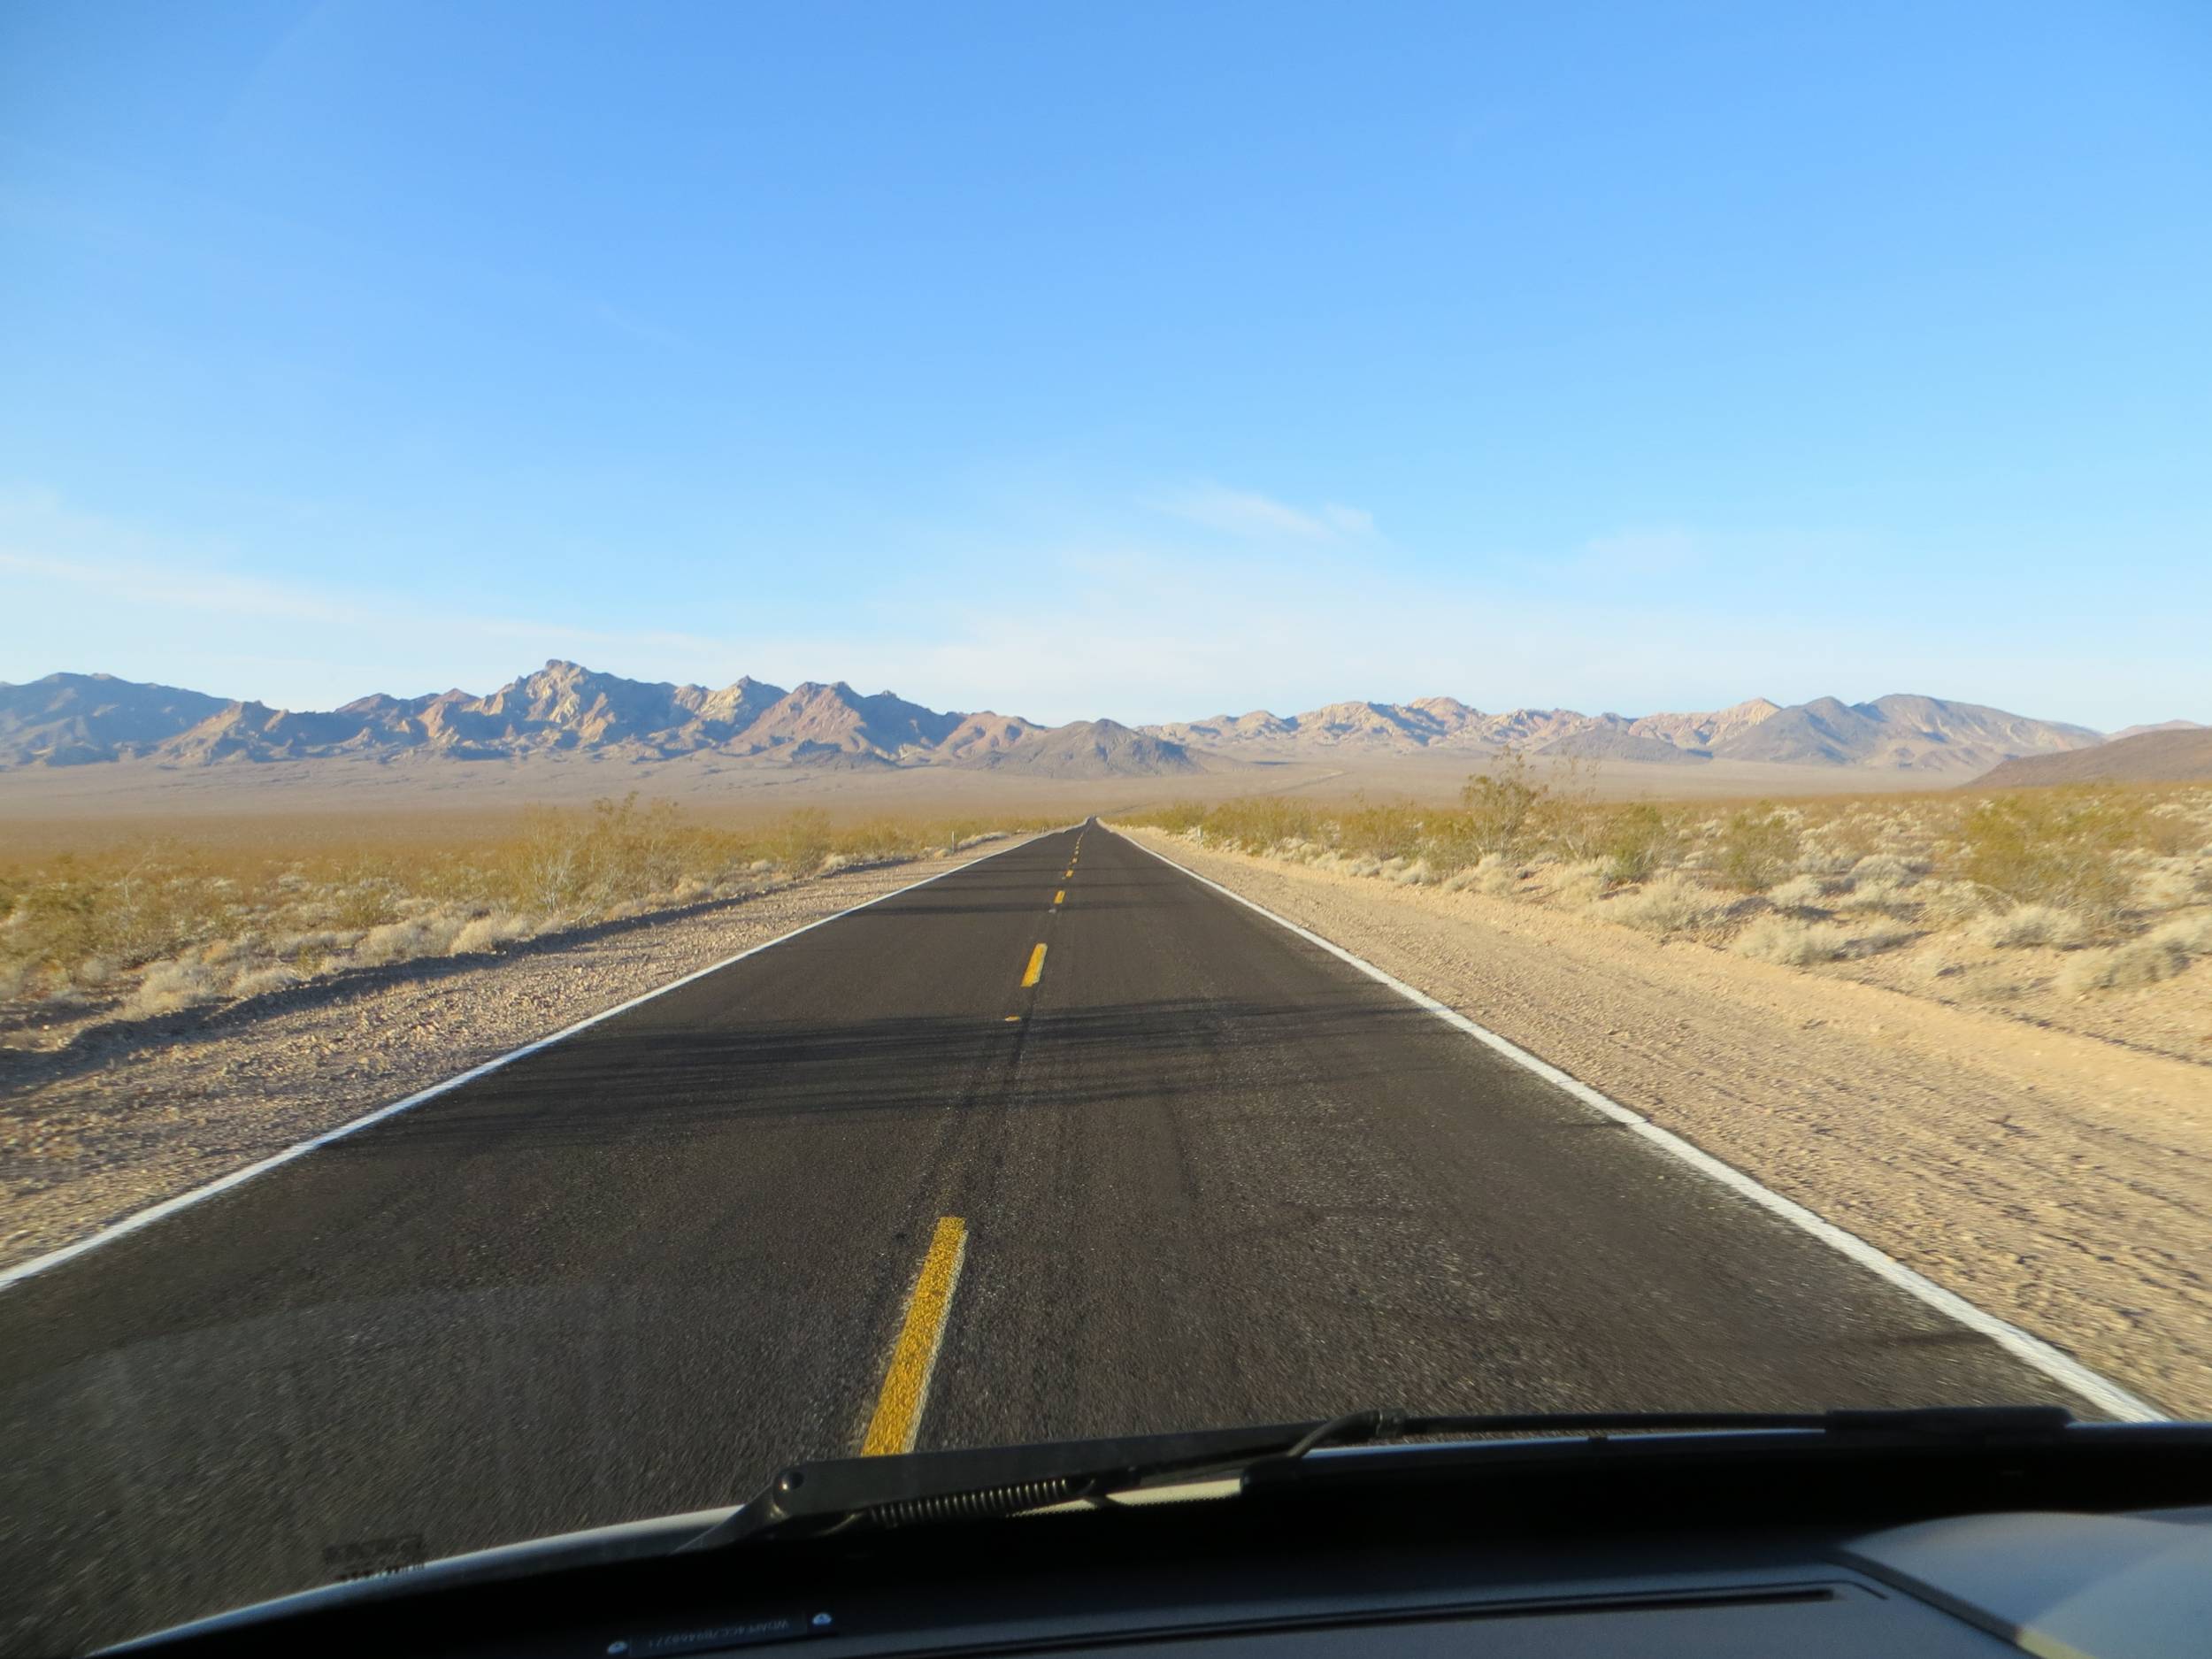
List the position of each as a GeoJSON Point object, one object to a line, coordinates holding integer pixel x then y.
{"type": "Point", "coordinates": [2153, 757]}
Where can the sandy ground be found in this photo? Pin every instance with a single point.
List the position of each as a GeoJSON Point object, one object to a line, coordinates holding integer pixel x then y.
{"type": "Point", "coordinates": [2060, 1182]}
{"type": "Point", "coordinates": [116, 1124]}
{"type": "Point", "coordinates": [717, 788]}
{"type": "Point", "coordinates": [56, 807]}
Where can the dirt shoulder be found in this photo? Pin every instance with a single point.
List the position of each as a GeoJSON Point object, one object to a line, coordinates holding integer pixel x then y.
{"type": "Point", "coordinates": [2060, 1182]}
{"type": "Point", "coordinates": [125, 1121]}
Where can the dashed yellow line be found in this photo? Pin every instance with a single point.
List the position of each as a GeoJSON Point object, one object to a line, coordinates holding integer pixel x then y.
{"type": "Point", "coordinates": [1061, 897]}
{"type": "Point", "coordinates": [906, 1385]}
{"type": "Point", "coordinates": [1068, 874]}
{"type": "Point", "coordinates": [1036, 970]}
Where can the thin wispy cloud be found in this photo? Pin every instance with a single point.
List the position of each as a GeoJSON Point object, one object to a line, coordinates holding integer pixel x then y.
{"type": "Point", "coordinates": [1248, 514]}
{"type": "Point", "coordinates": [1147, 640]}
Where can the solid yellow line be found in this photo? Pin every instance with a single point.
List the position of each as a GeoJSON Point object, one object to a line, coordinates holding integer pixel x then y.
{"type": "Point", "coordinates": [1036, 968]}
{"type": "Point", "coordinates": [906, 1385]}
{"type": "Point", "coordinates": [1061, 896]}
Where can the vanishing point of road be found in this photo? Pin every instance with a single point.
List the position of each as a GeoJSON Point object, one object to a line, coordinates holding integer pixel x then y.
{"type": "Point", "coordinates": [1063, 1143]}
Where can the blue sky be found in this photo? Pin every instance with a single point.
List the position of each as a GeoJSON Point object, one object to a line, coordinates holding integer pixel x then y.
{"type": "Point", "coordinates": [1147, 361]}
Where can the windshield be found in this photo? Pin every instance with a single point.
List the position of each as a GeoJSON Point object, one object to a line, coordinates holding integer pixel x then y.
{"type": "Point", "coordinates": [734, 734]}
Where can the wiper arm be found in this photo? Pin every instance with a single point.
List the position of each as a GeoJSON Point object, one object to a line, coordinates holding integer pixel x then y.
{"type": "Point", "coordinates": [921, 1487]}
{"type": "Point", "coordinates": [813, 1498]}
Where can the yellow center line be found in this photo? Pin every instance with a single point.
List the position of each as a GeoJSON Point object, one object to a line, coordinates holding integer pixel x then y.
{"type": "Point", "coordinates": [1061, 896]}
{"type": "Point", "coordinates": [1036, 970]}
{"type": "Point", "coordinates": [906, 1385]}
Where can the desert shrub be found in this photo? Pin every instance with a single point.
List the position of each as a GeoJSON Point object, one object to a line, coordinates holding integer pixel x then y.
{"type": "Point", "coordinates": [1178, 819]}
{"type": "Point", "coordinates": [1758, 845]}
{"type": "Point", "coordinates": [1885, 869]}
{"type": "Point", "coordinates": [403, 942]}
{"type": "Point", "coordinates": [365, 905]}
{"type": "Point", "coordinates": [1577, 886]}
{"type": "Point", "coordinates": [2059, 846]}
{"type": "Point", "coordinates": [1792, 942]}
{"type": "Point", "coordinates": [880, 841]}
{"type": "Point", "coordinates": [1878, 936]}
{"type": "Point", "coordinates": [1500, 807]}
{"type": "Point", "coordinates": [2026, 925]}
{"type": "Point", "coordinates": [1950, 903]}
{"type": "Point", "coordinates": [1634, 843]}
{"type": "Point", "coordinates": [2170, 884]}
{"type": "Point", "coordinates": [167, 988]}
{"type": "Point", "coordinates": [489, 933]}
{"type": "Point", "coordinates": [2189, 934]}
{"type": "Point", "coordinates": [1569, 819]}
{"type": "Point", "coordinates": [1381, 833]}
{"type": "Point", "coordinates": [275, 976]}
{"type": "Point", "coordinates": [2138, 961]}
{"type": "Point", "coordinates": [1799, 893]}
{"type": "Point", "coordinates": [1490, 875]}
{"type": "Point", "coordinates": [1874, 895]}
{"type": "Point", "coordinates": [1666, 905]}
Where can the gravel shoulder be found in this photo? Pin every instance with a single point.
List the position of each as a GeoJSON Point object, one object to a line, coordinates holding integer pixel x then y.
{"type": "Point", "coordinates": [125, 1121]}
{"type": "Point", "coordinates": [2060, 1182]}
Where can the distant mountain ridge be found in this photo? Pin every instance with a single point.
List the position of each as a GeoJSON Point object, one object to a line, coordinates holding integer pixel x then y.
{"type": "Point", "coordinates": [1896, 733]}
{"type": "Point", "coordinates": [80, 719]}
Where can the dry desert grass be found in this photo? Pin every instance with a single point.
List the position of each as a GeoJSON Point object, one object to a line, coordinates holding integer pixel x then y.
{"type": "Point", "coordinates": [2089, 908]}
{"type": "Point", "coordinates": [141, 926]}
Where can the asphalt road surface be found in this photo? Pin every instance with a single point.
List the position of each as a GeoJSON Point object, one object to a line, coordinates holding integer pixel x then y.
{"type": "Point", "coordinates": [1202, 1172]}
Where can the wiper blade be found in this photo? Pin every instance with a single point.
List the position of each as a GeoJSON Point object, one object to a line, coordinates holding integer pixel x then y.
{"type": "Point", "coordinates": [1946, 1422]}
{"type": "Point", "coordinates": [813, 1498]}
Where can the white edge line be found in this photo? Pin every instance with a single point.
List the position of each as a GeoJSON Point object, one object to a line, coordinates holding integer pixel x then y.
{"type": "Point", "coordinates": [146, 1217]}
{"type": "Point", "coordinates": [2106, 1395]}
{"type": "Point", "coordinates": [937, 1341]}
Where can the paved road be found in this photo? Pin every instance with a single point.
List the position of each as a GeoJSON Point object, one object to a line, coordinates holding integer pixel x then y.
{"type": "Point", "coordinates": [1207, 1174]}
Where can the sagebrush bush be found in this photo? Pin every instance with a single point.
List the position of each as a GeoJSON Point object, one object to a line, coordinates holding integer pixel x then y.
{"type": "Point", "coordinates": [2138, 961]}
{"type": "Point", "coordinates": [2191, 935]}
{"type": "Point", "coordinates": [169, 987]}
{"type": "Point", "coordinates": [1799, 893]}
{"type": "Point", "coordinates": [276, 976]}
{"type": "Point", "coordinates": [1666, 905]}
{"type": "Point", "coordinates": [1874, 895]}
{"type": "Point", "coordinates": [489, 933]}
{"type": "Point", "coordinates": [1790, 942]}
{"type": "Point", "coordinates": [2027, 926]}
{"type": "Point", "coordinates": [1882, 868]}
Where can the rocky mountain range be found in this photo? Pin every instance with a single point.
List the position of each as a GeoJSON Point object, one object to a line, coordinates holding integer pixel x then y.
{"type": "Point", "coordinates": [1896, 733]}
{"type": "Point", "coordinates": [563, 709]}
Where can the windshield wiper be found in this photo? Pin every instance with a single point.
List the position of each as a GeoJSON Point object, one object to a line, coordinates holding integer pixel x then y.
{"type": "Point", "coordinates": [831, 1495]}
